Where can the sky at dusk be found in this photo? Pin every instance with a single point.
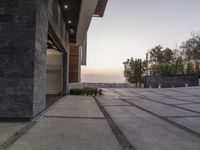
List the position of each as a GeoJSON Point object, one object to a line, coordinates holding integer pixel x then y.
{"type": "Point", "coordinates": [131, 27]}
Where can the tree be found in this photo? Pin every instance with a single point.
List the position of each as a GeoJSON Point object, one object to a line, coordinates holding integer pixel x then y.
{"type": "Point", "coordinates": [167, 55]}
{"type": "Point", "coordinates": [190, 68]}
{"type": "Point", "coordinates": [156, 55]}
{"type": "Point", "coordinates": [145, 66]}
{"type": "Point", "coordinates": [128, 70]}
{"type": "Point", "coordinates": [191, 47]}
{"type": "Point", "coordinates": [162, 69]}
{"type": "Point", "coordinates": [197, 67]}
{"type": "Point", "coordinates": [138, 72]}
{"type": "Point", "coordinates": [179, 65]}
{"type": "Point", "coordinates": [133, 70]}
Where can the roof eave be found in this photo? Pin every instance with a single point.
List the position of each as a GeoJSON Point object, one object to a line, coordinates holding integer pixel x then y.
{"type": "Point", "coordinates": [100, 9]}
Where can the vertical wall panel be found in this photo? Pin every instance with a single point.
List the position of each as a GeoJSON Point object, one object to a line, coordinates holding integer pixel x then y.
{"type": "Point", "coordinates": [74, 64]}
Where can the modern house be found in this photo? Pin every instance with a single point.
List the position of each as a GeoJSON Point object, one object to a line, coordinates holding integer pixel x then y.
{"type": "Point", "coordinates": [43, 43]}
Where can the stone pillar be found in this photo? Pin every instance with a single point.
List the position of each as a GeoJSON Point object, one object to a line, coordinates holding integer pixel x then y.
{"type": "Point", "coordinates": [39, 90]}
{"type": "Point", "coordinates": [23, 40]}
{"type": "Point", "coordinates": [65, 73]}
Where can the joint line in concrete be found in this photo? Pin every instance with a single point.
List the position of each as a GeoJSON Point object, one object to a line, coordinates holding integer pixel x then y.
{"type": "Point", "coordinates": [73, 117]}
{"type": "Point", "coordinates": [190, 131]}
{"type": "Point", "coordinates": [123, 141]}
{"type": "Point", "coordinates": [14, 137]}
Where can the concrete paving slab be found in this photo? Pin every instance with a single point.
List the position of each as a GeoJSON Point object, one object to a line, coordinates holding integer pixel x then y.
{"type": "Point", "coordinates": [76, 107]}
{"type": "Point", "coordinates": [168, 92]}
{"type": "Point", "coordinates": [109, 101]}
{"type": "Point", "coordinates": [68, 134]}
{"type": "Point", "coordinates": [74, 97]}
{"type": "Point", "coordinates": [188, 91]}
{"type": "Point", "coordinates": [124, 92]}
{"type": "Point", "coordinates": [7, 129]}
{"type": "Point", "coordinates": [143, 92]}
{"type": "Point", "coordinates": [195, 107]}
{"type": "Point", "coordinates": [189, 98]}
{"type": "Point", "coordinates": [109, 92]}
{"type": "Point", "coordinates": [171, 100]}
{"type": "Point", "coordinates": [147, 132]}
{"type": "Point", "coordinates": [192, 123]}
{"type": "Point", "coordinates": [161, 109]}
{"type": "Point", "coordinates": [125, 112]}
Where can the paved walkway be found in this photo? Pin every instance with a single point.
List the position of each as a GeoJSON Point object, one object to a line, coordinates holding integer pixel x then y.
{"type": "Point", "coordinates": [75, 123]}
{"type": "Point", "coordinates": [140, 119]}
{"type": "Point", "coordinates": [157, 119]}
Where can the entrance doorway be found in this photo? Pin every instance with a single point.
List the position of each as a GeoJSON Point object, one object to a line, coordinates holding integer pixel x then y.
{"type": "Point", "coordinates": [55, 70]}
{"type": "Point", "coordinates": [54, 81]}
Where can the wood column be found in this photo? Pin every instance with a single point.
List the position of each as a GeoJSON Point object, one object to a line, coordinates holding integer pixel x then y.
{"type": "Point", "coordinates": [74, 64]}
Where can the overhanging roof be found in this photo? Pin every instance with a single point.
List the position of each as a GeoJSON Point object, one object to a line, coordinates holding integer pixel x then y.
{"type": "Point", "coordinates": [100, 9]}
{"type": "Point", "coordinates": [80, 13]}
{"type": "Point", "coordinates": [71, 14]}
{"type": "Point", "coordinates": [86, 13]}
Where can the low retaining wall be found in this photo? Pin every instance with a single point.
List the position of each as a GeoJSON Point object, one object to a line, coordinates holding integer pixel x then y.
{"type": "Point", "coordinates": [75, 86]}
{"type": "Point", "coordinates": [108, 85]}
{"type": "Point", "coordinates": [99, 85]}
{"type": "Point", "coordinates": [171, 81]}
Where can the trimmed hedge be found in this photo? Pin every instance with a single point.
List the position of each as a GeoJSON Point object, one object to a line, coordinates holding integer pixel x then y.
{"type": "Point", "coordinates": [87, 91]}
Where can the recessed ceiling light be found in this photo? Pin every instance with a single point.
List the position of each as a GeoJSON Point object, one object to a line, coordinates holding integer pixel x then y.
{"type": "Point", "coordinates": [69, 21]}
{"type": "Point", "coordinates": [66, 6]}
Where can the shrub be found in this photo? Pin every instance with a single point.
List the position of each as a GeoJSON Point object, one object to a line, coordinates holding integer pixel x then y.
{"type": "Point", "coordinates": [100, 91]}
{"type": "Point", "coordinates": [87, 91]}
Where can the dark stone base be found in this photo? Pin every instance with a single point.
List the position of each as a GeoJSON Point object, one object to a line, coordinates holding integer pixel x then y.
{"type": "Point", "coordinates": [171, 81]}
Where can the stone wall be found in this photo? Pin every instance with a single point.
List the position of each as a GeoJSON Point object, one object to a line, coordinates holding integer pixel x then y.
{"type": "Point", "coordinates": [23, 43]}
{"type": "Point", "coordinates": [17, 47]}
{"type": "Point", "coordinates": [171, 81]}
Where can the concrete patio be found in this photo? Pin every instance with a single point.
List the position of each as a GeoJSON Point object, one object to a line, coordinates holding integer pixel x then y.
{"type": "Point", "coordinates": [140, 119]}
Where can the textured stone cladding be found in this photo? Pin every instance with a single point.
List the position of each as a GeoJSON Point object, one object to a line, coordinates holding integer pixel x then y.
{"type": "Point", "coordinates": [39, 91]}
{"type": "Point", "coordinates": [171, 81]}
{"type": "Point", "coordinates": [48, 13]}
{"type": "Point", "coordinates": [23, 44]}
{"type": "Point", "coordinates": [17, 47]}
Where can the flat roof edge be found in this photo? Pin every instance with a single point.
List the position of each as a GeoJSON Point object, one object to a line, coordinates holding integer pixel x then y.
{"type": "Point", "coordinates": [100, 9]}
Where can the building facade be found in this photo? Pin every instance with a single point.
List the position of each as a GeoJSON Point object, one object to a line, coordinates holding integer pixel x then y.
{"type": "Point", "coordinates": [42, 45]}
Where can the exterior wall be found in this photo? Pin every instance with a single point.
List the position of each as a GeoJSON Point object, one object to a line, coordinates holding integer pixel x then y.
{"type": "Point", "coordinates": [171, 81]}
{"type": "Point", "coordinates": [23, 44]}
{"type": "Point", "coordinates": [39, 91]}
{"type": "Point", "coordinates": [74, 64]}
{"type": "Point", "coordinates": [65, 73]}
{"type": "Point", "coordinates": [17, 57]}
{"type": "Point", "coordinates": [84, 53]}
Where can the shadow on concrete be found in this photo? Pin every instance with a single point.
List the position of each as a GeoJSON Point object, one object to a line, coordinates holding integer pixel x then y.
{"type": "Point", "coordinates": [52, 99]}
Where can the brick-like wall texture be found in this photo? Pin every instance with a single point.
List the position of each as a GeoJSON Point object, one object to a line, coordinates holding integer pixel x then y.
{"type": "Point", "coordinates": [23, 43]}
{"type": "Point", "coordinates": [171, 81]}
